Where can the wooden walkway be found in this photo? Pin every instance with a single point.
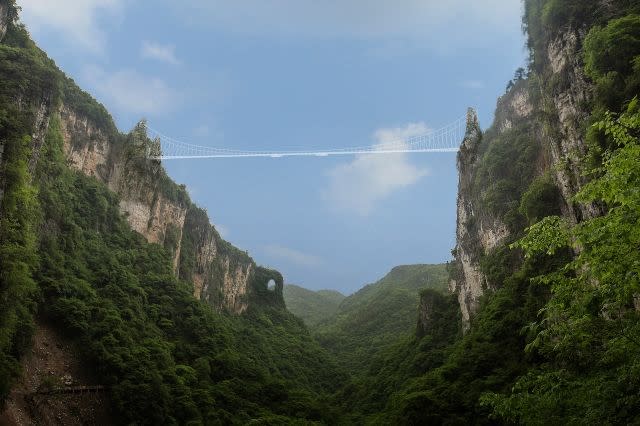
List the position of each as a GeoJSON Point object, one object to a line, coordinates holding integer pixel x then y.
{"type": "Point", "coordinates": [77, 390]}
{"type": "Point", "coordinates": [72, 390]}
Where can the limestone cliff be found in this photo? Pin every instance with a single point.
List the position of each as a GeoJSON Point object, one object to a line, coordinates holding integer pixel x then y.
{"type": "Point", "coordinates": [481, 226]}
{"type": "Point", "coordinates": [468, 282]}
{"type": "Point", "coordinates": [565, 140]}
{"type": "Point", "coordinates": [540, 121]}
{"type": "Point", "coordinates": [4, 19]}
{"type": "Point", "coordinates": [155, 206]}
{"type": "Point", "coordinates": [161, 211]}
{"type": "Point", "coordinates": [222, 275]}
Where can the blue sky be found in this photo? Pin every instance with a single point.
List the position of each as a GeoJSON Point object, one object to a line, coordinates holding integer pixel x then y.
{"type": "Point", "coordinates": [285, 74]}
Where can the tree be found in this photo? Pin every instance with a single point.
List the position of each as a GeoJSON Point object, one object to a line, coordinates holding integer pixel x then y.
{"type": "Point", "coordinates": [589, 330]}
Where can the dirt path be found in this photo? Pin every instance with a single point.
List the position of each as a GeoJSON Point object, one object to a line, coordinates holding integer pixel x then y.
{"type": "Point", "coordinates": [53, 361]}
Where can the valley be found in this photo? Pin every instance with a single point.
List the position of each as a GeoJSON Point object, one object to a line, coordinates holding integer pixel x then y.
{"type": "Point", "coordinates": [112, 278]}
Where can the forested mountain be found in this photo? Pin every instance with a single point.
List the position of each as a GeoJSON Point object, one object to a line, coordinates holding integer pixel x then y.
{"type": "Point", "coordinates": [377, 315]}
{"type": "Point", "coordinates": [312, 306]}
{"type": "Point", "coordinates": [103, 253]}
{"type": "Point", "coordinates": [177, 325]}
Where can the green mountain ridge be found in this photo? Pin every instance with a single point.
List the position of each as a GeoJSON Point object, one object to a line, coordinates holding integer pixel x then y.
{"type": "Point", "coordinates": [312, 306]}
{"type": "Point", "coordinates": [375, 316]}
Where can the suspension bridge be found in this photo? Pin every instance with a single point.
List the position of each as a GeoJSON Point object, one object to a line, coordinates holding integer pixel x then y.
{"type": "Point", "coordinates": [446, 139]}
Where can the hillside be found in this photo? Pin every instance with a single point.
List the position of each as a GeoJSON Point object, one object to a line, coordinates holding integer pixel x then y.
{"type": "Point", "coordinates": [377, 315]}
{"type": "Point", "coordinates": [99, 245]}
{"type": "Point", "coordinates": [312, 306]}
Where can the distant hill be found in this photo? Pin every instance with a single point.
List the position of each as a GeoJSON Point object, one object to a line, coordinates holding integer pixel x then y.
{"type": "Point", "coordinates": [378, 314]}
{"type": "Point", "coordinates": [312, 306]}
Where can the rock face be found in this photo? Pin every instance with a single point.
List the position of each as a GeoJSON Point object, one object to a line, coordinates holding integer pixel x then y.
{"type": "Point", "coordinates": [86, 147]}
{"type": "Point", "coordinates": [155, 207]}
{"type": "Point", "coordinates": [427, 311]}
{"type": "Point", "coordinates": [221, 274]}
{"type": "Point", "coordinates": [469, 283]}
{"type": "Point", "coordinates": [566, 144]}
{"type": "Point", "coordinates": [559, 143]}
{"type": "Point", "coordinates": [148, 211]}
{"type": "Point", "coordinates": [4, 19]}
{"type": "Point", "coordinates": [478, 231]}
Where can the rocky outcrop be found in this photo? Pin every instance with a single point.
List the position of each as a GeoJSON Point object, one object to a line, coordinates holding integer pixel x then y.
{"type": "Point", "coordinates": [4, 18]}
{"type": "Point", "coordinates": [86, 146]}
{"type": "Point", "coordinates": [40, 129]}
{"type": "Point", "coordinates": [557, 133]}
{"type": "Point", "coordinates": [427, 311]}
{"type": "Point", "coordinates": [149, 212]}
{"type": "Point", "coordinates": [235, 285]}
{"type": "Point", "coordinates": [160, 210]}
{"type": "Point", "coordinates": [478, 231]}
{"type": "Point", "coordinates": [221, 274]}
{"type": "Point", "coordinates": [468, 283]}
{"type": "Point", "coordinates": [565, 140]}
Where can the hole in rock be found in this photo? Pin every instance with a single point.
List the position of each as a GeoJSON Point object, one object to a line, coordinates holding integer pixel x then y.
{"type": "Point", "coordinates": [271, 285]}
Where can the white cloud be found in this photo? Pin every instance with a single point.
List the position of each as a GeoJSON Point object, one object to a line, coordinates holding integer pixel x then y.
{"type": "Point", "coordinates": [160, 52]}
{"type": "Point", "coordinates": [472, 84]}
{"type": "Point", "coordinates": [76, 20]}
{"type": "Point", "coordinates": [365, 19]}
{"type": "Point", "coordinates": [293, 256]}
{"type": "Point", "coordinates": [358, 186]}
{"type": "Point", "coordinates": [130, 91]}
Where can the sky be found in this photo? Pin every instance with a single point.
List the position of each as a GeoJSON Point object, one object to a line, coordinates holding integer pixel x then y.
{"type": "Point", "coordinates": [293, 74]}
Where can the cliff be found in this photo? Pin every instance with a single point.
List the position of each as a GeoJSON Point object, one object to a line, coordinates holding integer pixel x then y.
{"type": "Point", "coordinates": [154, 206]}
{"type": "Point", "coordinates": [4, 19]}
{"type": "Point", "coordinates": [488, 191]}
{"type": "Point", "coordinates": [536, 147]}
{"type": "Point", "coordinates": [161, 211]}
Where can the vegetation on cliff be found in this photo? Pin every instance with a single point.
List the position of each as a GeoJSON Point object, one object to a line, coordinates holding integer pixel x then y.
{"type": "Point", "coordinates": [556, 336]}
{"type": "Point", "coordinates": [68, 256]}
{"type": "Point", "coordinates": [589, 331]}
{"type": "Point", "coordinates": [556, 340]}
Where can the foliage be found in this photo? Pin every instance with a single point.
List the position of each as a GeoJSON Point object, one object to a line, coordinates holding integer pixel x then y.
{"type": "Point", "coordinates": [540, 200]}
{"type": "Point", "coordinates": [576, 362]}
{"type": "Point", "coordinates": [378, 314]}
{"type": "Point", "coordinates": [313, 307]}
{"type": "Point", "coordinates": [544, 20]}
{"type": "Point", "coordinates": [18, 255]}
{"type": "Point", "coordinates": [166, 357]}
{"type": "Point", "coordinates": [589, 330]}
{"type": "Point", "coordinates": [81, 102]}
{"type": "Point", "coordinates": [612, 60]}
{"type": "Point", "coordinates": [556, 340]}
{"type": "Point", "coordinates": [504, 171]}
{"type": "Point", "coordinates": [372, 397]}
{"type": "Point", "coordinates": [25, 75]}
